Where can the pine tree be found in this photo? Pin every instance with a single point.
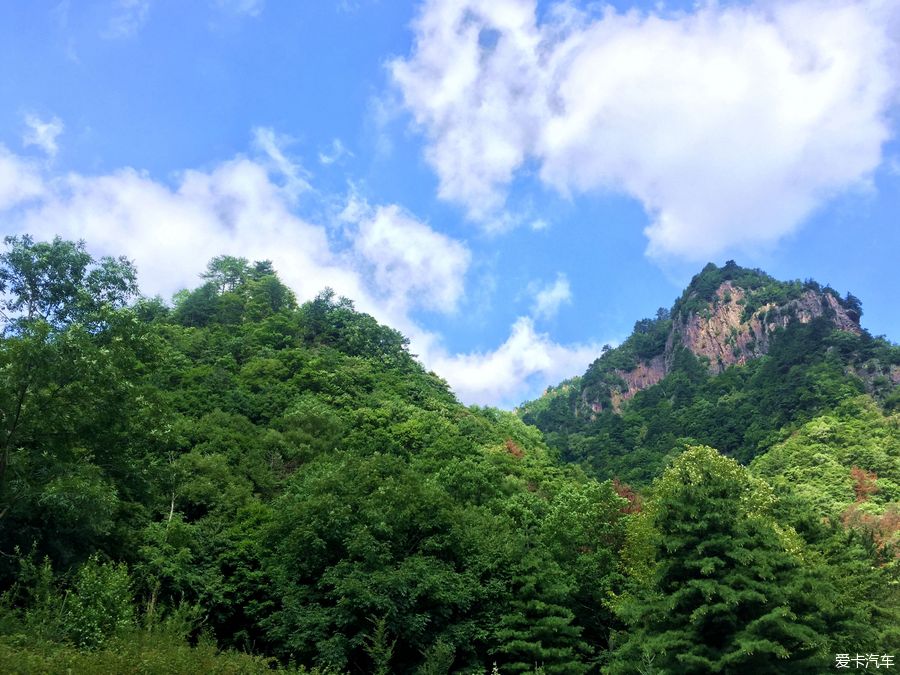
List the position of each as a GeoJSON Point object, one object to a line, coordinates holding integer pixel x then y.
{"type": "Point", "coordinates": [725, 590]}
{"type": "Point", "coordinates": [538, 631]}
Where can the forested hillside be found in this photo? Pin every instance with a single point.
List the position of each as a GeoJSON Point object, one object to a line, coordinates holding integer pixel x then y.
{"type": "Point", "coordinates": [739, 362]}
{"type": "Point", "coordinates": [240, 483]}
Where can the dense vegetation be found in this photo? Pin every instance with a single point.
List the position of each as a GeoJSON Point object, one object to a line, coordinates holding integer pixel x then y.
{"type": "Point", "coordinates": [809, 369]}
{"type": "Point", "coordinates": [238, 483]}
{"type": "Point", "coordinates": [760, 289]}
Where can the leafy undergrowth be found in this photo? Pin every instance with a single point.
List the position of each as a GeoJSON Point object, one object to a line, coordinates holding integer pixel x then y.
{"type": "Point", "coordinates": [138, 654]}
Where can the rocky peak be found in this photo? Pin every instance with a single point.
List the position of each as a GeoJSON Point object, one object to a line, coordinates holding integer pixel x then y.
{"type": "Point", "coordinates": [727, 316]}
{"type": "Point", "coordinates": [729, 330]}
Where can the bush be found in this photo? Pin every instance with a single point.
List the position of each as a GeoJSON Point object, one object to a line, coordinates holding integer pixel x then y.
{"type": "Point", "coordinates": [99, 606]}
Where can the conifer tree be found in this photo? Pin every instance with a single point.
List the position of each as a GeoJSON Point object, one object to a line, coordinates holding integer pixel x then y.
{"type": "Point", "coordinates": [538, 630]}
{"type": "Point", "coordinates": [724, 589]}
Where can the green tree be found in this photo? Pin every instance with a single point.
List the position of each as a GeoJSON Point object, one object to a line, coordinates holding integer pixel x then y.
{"type": "Point", "coordinates": [226, 272]}
{"type": "Point", "coordinates": [59, 282]}
{"type": "Point", "coordinates": [76, 419]}
{"type": "Point", "coordinates": [717, 586]}
{"type": "Point", "coordinates": [537, 630]}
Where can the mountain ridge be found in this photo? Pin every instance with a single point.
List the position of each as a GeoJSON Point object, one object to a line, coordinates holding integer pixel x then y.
{"type": "Point", "coordinates": [740, 360]}
{"type": "Point", "coordinates": [726, 316]}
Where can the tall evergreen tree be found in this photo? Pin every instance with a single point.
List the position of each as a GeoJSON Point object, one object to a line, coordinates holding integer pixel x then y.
{"type": "Point", "coordinates": [718, 587]}
{"type": "Point", "coordinates": [538, 632]}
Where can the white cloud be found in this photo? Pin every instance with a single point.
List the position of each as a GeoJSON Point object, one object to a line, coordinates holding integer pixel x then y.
{"type": "Point", "coordinates": [525, 364]}
{"type": "Point", "coordinates": [171, 233]}
{"type": "Point", "coordinates": [42, 133]}
{"type": "Point", "coordinates": [548, 299]}
{"type": "Point", "coordinates": [478, 105]}
{"type": "Point", "coordinates": [20, 180]}
{"type": "Point", "coordinates": [130, 16]}
{"type": "Point", "coordinates": [338, 151]}
{"type": "Point", "coordinates": [393, 264]}
{"type": "Point", "coordinates": [730, 124]}
{"type": "Point", "coordinates": [412, 264]}
{"type": "Point", "coordinates": [272, 146]}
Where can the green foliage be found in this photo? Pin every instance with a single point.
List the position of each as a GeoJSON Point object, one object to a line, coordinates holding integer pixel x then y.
{"type": "Point", "coordinates": [438, 659]}
{"type": "Point", "coordinates": [234, 292]}
{"type": "Point", "coordinates": [69, 359]}
{"type": "Point", "coordinates": [148, 655]}
{"type": "Point", "coordinates": [240, 471]}
{"type": "Point", "coordinates": [537, 630]}
{"type": "Point", "coordinates": [59, 282]}
{"type": "Point", "coordinates": [99, 605]}
{"type": "Point", "coordinates": [728, 591]}
{"type": "Point", "coordinates": [816, 463]}
{"type": "Point", "coordinates": [93, 607]}
{"type": "Point", "coordinates": [809, 370]}
{"type": "Point", "coordinates": [380, 648]}
{"type": "Point", "coordinates": [450, 527]}
{"type": "Point", "coordinates": [294, 472]}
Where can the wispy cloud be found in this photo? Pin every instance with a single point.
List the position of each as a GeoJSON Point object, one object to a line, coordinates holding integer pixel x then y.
{"type": "Point", "coordinates": [731, 124]}
{"type": "Point", "coordinates": [893, 165]}
{"type": "Point", "coordinates": [549, 298]}
{"type": "Point", "coordinates": [337, 152]}
{"type": "Point", "coordinates": [42, 133]}
{"type": "Point", "coordinates": [129, 16]}
{"type": "Point", "coordinates": [250, 8]}
{"type": "Point", "coordinates": [273, 147]}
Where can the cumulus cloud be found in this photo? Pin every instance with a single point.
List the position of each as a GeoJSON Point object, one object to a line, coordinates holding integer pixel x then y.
{"type": "Point", "coordinates": [20, 180]}
{"type": "Point", "coordinates": [730, 124]}
{"type": "Point", "coordinates": [474, 84]}
{"type": "Point", "coordinates": [391, 265]}
{"type": "Point", "coordinates": [526, 363]}
{"type": "Point", "coordinates": [548, 299]}
{"type": "Point", "coordinates": [171, 232]}
{"type": "Point", "coordinates": [412, 264]}
{"type": "Point", "coordinates": [42, 134]}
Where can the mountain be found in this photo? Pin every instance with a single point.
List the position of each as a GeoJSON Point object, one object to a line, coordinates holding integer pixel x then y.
{"type": "Point", "coordinates": [239, 483]}
{"type": "Point", "coordinates": [738, 359]}
{"type": "Point", "coordinates": [286, 478]}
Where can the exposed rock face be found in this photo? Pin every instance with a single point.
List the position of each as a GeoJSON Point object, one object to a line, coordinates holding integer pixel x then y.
{"type": "Point", "coordinates": [646, 374]}
{"type": "Point", "coordinates": [721, 335]}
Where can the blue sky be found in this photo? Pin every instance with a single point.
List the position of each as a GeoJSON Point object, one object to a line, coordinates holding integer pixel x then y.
{"type": "Point", "coordinates": [510, 183]}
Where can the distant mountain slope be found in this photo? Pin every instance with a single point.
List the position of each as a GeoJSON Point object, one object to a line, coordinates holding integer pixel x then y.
{"type": "Point", "coordinates": [738, 358]}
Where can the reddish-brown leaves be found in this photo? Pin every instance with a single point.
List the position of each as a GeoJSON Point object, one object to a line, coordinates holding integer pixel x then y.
{"type": "Point", "coordinates": [513, 449]}
{"type": "Point", "coordinates": [863, 483]}
{"type": "Point", "coordinates": [625, 491]}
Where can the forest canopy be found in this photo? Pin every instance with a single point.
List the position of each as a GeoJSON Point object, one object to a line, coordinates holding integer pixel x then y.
{"type": "Point", "coordinates": [239, 482]}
